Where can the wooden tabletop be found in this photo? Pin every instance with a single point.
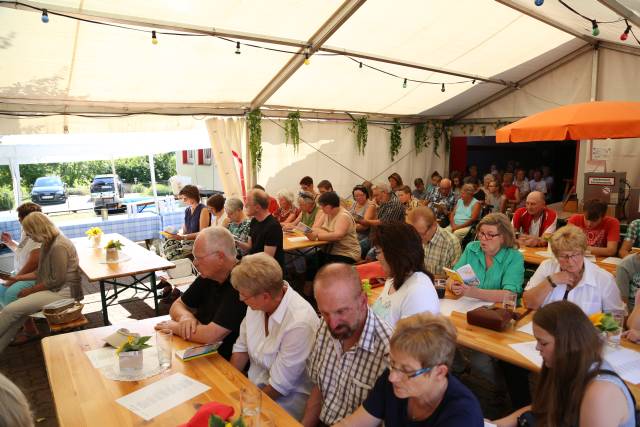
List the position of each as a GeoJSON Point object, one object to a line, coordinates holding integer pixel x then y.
{"type": "Point", "coordinates": [531, 256]}
{"type": "Point", "coordinates": [83, 396]}
{"type": "Point", "coordinates": [288, 245]}
{"type": "Point", "coordinates": [92, 264]}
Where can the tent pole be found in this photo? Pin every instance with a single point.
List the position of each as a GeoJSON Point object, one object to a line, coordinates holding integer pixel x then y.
{"type": "Point", "coordinates": [152, 170]}
{"type": "Point", "coordinates": [14, 166]}
{"type": "Point", "coordinates": [113, 166]}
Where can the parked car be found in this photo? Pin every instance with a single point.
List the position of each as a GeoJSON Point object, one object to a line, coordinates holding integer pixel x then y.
{"type": "Point", "coordinates": [107, 191]}
{"type": "Point", "coordinates": [49, 189]}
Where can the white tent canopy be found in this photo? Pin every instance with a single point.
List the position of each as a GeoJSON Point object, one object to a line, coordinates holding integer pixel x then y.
{"type": "Point", "coordinates": [68, 65]}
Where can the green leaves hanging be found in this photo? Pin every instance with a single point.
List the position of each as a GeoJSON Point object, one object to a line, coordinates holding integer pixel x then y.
{"type": "Point", "coordinates": [359, 127]}
{"type": "Point", "coordinates": [420, 133]}
{"type": "Point", "coordinates": [292, 130]}
{"type": "Point", "coordinates": [395, 139]}
{"type": "Point", "coordinates": [254, 121]}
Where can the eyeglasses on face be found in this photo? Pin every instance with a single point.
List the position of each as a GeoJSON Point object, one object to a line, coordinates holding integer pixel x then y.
{"type": "Point", "coordinates": [404, 375]}
{"type": "Point", "coordinates": [570, 257]}
{"type": "Point", "coordinates": [487, 236]}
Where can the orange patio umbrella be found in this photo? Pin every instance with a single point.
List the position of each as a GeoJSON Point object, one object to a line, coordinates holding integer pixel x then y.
{"type": "Point", "coordinates": [587, 120]}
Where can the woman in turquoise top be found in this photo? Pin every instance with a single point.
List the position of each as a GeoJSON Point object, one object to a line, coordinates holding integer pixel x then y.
{"type": "Point", "coordinates": [495, 260]}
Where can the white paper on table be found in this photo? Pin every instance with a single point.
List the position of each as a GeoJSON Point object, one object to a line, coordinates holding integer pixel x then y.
{"type": "Point", "coordinates": [298, 239]}
{"type": "Point", "coordinates": [545, 254]}
{"type": "Point", "coordinates": [488, 424]}
{"type": "Point", "coordinates": [625, 362]}
{"type": "Point", "coordinates": [161, 396]}
{"type": "Point", "coordinates": [101, 357]}
{"type": "Point", "coordinates": [461, 305]}
{"type": "Point", "coordinates": [612, 260]}
{"type": "Point", "coordinates": [527, 328]}
{"type": "Point", "coordinates": [528, 350]}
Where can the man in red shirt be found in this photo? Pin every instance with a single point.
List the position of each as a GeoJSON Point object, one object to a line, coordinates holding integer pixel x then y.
{"type": "Point", "coordinates": [534, 220]}
{"type": "Point", "coordinates": [602, 230]}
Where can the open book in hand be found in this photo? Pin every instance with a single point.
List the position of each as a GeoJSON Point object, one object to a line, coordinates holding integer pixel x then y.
{"type": "Point", "coordinates": [464, 274]}
{"type": "Point", "coordinates": [194, 352]}
{"type": "Point", "coordinates": [303, 227]}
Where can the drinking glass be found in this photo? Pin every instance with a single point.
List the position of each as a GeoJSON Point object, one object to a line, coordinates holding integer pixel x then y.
{"type": "Point", "coordinates": [613, 337]}
{"type": "Point", "coordinates": [250, 405]}
{"type": "Point", "coordinates": [441, 287]}
{"type": "Point", "coordinates": [163, 344]}
{"type": "Point", "coordinates": [509, 301]}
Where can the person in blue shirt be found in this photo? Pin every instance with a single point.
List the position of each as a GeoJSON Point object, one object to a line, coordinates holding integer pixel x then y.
{"type": "Point", "coordinates": [418, 389]}
{"type": "Point", "coordinates": [495, 260]}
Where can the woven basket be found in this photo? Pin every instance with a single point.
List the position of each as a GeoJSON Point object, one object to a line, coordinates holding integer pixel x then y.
{"type": "Point", "coordinates": [69, 315]}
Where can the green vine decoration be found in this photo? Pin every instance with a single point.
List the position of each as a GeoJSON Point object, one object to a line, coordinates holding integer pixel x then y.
{"type": "Point", "coordinates": [437, 133]}
{"type": "Point", "coordinates": [420, 136]}
{"type": "Point", "coordinates": [395, 139]}
{"type": "Point", "coordinates": [359, 127]}
{"type": "Point", "coordinates": [292, 129]}
{"type": "Point", "coordinates": [254, 121]}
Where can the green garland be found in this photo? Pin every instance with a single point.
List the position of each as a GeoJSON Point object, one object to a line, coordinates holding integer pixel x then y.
{"type": "Point", "coordinates": [420, 134]}
{"type": "Point", "coordinates": [437, 133]}
{"type": "Point", "coordinates": [292, 129]}
{"type": "Point", "coordinates": [359, 127]}
{"type": "Point", "coordinates": [395, 139]}
{"type": "Point", "coordinates": [254, 121]}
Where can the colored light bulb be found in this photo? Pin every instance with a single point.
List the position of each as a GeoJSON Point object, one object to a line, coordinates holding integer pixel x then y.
{"type": "Point", "coordinates": [306, 59]}
{"type": "Point", "coordinates": [154, 39]}
{"type": "Point", "coordinates": [595, 30]}
{"type": "Point", "coordinates": [404, 84]}
{"type": "Point", "coordinates": [539, 2]}
{"type": "Point", "coordinates": [442, 89]}
{"type": "Point", "coordinates": [624, 36]}
{"type": "Point", "coordinates": [237, 48]}
{"type": "Point", "coordinates": [45, 16]}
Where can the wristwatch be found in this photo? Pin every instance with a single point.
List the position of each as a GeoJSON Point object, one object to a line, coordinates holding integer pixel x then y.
{"type": "Point", "coordinates": [551, 282]}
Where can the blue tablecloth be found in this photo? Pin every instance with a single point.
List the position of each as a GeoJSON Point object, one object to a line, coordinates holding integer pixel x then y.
{"type": "Point", "coordinates": [174, 219]}
{"type": "Point", "coordinates": [139, 227]}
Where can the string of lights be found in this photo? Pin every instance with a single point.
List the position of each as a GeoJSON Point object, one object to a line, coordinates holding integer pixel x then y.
{"type": "Point", "coordinates": [595, 30]}
{"type": "Point", "coordinates": [45, 18]}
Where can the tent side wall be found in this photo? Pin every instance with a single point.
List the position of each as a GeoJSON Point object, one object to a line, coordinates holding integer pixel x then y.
{"type": "Point", "coordinates": [328, 151]}
{"type": "Point", "coordinates": [572, 83]}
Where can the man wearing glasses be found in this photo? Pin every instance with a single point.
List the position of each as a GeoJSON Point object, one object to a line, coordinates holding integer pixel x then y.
{"type": "Point", "coordinates": [350, 351]}
{"type": "Point", "coordinates": [210, 310]}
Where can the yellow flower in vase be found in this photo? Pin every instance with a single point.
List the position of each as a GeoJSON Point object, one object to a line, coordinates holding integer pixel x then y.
{"type": "Point", "coordinates": [596, 319]}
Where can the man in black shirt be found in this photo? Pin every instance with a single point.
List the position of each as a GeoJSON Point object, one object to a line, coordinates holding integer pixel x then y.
{"type": "Point", "coordinates": [210, 310]}
{"type": "Point", "coordinates": [265, 233]}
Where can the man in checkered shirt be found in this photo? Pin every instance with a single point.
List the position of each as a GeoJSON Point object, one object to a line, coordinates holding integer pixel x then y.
{"type": "Point", "coordinates": [351, 347]}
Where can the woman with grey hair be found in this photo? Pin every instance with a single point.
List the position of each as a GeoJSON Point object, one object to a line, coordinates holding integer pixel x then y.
{"type": "Point", "coordinates": [238, 222]}
{"type": "Point", "coordinates": [14, 407]}
{"type": "Point", "coordinates": [286, 211]}
{"type": "Point", "coordinates": [277, 333]}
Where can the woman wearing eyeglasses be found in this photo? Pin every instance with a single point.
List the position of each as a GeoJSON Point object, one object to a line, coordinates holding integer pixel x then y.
{"type": "Point", "coordinates": [569, 276]}
{"type": "Point", "coordinates": [417, 389]}
{"type": "Point", "coordinates": [495, 260]}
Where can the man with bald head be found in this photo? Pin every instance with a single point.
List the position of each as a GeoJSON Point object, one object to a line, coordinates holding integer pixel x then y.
{"type": "Point", "coordinates": [442, 201]}
{"type": "Point", "coordinates": [265, 233]}
{"type": "Point", "coordinates": [351, 347]}
{"type": "Point", "coordinates": [534, 220]}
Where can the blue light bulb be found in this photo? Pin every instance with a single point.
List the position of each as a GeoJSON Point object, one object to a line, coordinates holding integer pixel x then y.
{"type": "Point", "coordinates": [539, 2]}
{"type": "Point", "coordinates": [45, 16]}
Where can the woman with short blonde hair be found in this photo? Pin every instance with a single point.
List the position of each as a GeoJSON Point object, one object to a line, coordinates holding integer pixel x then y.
{"type": "Point", "coordinates": [277, 333]}
{"type": "Point", "coordinates": [57, 276]}
{"type": "Point", "coordinates": [418, 388]}
{"type": "Point", "coordinates": [570, 276]}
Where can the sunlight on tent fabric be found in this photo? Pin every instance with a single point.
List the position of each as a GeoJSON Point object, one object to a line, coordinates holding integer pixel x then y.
{"type": "Point", "coordinates": [592, 9]}
{"type": "Point", "coordinates": [481, 37]}
{"type": "Point", "coordinates": [115, 65]}
{"type": "Point", "coordinates": [360, 89]}
{"type": "Point", "coordinates": [295, 19]}
{"type": "Point", "coordinates": [67, 148]}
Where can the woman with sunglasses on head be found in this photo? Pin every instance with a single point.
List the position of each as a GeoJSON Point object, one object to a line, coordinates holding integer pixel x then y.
{"type": "Point", "coordinates": [576, 386]}
{"type": "Point", "coordinates": [418, 389]}
{"type": "Point", "coordinates": [495, 260]}
{"type": "Point", "coordinates": [569, 276]}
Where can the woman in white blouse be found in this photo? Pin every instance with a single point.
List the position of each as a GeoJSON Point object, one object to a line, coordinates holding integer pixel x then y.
{"type": "Point", "coordinates": [408, 289]}
{"type": "Point", "coordinates": [277, 333]}
{"type": "Point", "coordinates": [571, 277]}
